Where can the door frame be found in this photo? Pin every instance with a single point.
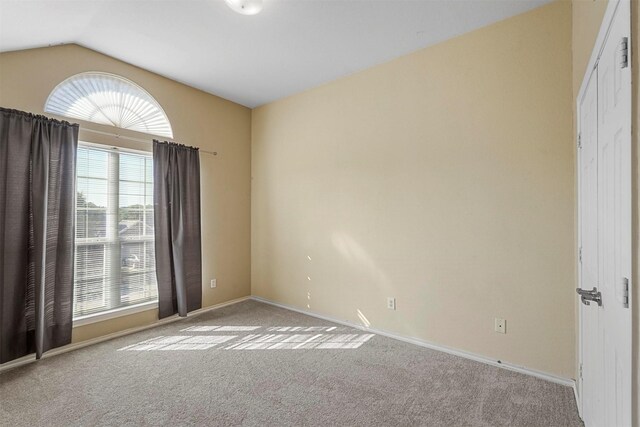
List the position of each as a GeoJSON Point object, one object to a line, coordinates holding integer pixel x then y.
{"type": "Point", "coordinates": [598, 47]}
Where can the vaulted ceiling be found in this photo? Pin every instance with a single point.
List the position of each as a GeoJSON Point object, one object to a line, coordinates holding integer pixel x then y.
{"type": "Point", "coordinates": [291, 46]}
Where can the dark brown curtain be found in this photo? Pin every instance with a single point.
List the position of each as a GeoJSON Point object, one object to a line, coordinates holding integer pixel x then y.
{"type": "Point", "coordinates": [37, 196]}
{"type": "Point", "coordinates": [176, 200]}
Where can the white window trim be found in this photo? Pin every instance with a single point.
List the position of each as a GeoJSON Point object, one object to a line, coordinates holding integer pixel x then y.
{"type": "Point", "coordinates": [113, 314]}
{"type": "Point", "coordinates": [89, 319]}
{"type": "Point", "coordinates": [109, 147]}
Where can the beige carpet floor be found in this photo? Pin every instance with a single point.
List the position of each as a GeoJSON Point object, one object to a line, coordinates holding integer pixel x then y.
{"type": "Point", "coordinates": [257, 365]}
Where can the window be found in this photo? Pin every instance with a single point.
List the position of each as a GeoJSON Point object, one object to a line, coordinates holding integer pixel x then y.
{"type": "Point", "coordinates": [115, 261]}
{"type": "Point", "coordinates": [109, 100]}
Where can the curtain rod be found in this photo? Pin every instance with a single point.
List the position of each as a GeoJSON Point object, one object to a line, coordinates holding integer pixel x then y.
{"type": "Point", "coordinates": [118, 136]}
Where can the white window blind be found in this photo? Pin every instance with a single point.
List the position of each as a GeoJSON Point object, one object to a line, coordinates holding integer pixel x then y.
{"type": "Point", "coordinates": [109, 100]}
{"type": "Point", "coordinates": [115, 260]}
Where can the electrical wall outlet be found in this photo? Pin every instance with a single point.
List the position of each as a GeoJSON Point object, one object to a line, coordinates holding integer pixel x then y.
{"type": "Point", "coordinates": [500, 326]}
{"type": "Point", "coordinates": [391, 303]}
{"type": "Point", "coordinates": [214, 283]}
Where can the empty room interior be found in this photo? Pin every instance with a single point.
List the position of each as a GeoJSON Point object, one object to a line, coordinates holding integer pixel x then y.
{"type": "Point", "coordinates": [319, 213]}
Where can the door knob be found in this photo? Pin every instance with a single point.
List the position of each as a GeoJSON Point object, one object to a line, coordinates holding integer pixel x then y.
{"type": "Point", "coordinates": [588, 296]}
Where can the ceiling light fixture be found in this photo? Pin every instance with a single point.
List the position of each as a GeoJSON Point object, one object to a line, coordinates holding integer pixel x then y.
{"type": "Point", "coordinates": [245, 7]}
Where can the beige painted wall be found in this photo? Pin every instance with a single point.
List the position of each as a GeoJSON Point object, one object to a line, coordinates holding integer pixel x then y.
{"type": "Point", "coordinates": [445, 179]}
{"type": "Point", "coordinates": [199, 119]}
{"type": "Point", "coordinates": [586, 20]}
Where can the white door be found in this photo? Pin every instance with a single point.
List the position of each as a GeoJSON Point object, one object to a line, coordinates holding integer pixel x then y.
{"type": "Point", "coordinates": [606, 329]}
{"type": "Point", "coordinates": [614, 211]}
{"type": "Point", "coordinates": [591, 340]}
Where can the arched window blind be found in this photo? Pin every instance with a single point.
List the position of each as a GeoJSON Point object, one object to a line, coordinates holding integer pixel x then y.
{"type": "Point", "coordinates": [109, 100]}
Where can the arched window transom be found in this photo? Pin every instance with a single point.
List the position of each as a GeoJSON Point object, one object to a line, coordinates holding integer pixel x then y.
{"type": "Point", "coordinates": [109, 100]}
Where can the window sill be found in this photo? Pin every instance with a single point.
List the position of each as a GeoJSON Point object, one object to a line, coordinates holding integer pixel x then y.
{"type": "Point", "coordinates": [115, 313]}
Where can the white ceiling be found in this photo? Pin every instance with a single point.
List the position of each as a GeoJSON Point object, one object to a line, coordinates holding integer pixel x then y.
{"type": "Point", "coordinates": [292, 45]}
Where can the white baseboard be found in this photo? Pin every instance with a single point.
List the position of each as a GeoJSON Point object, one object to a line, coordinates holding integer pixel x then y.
{"type": "Point", "coordinates": [577, 397]}
{"type": "Point", "coordinates": [75, 346]}
{"type": "Point", "coordinates": [478, 358]}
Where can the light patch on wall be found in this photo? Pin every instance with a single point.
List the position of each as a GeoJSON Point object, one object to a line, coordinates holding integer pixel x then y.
{"type": "Point", "coordinates": [363, 319]}
{"type": "Point", "coordinates": [353, 252]}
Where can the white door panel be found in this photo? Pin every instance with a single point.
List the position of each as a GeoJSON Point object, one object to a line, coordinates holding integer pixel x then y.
{"type": "Point", "coordinates": [591, 342]}
{"type": "Point", "coordinates": [605, 231]}
{"type": "Point", "coordinates": [614, 186]}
